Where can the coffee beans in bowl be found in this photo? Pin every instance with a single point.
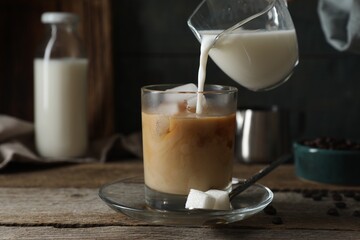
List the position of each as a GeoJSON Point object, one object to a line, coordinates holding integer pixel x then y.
{"type": "Point", "coordinates": [332, 143]}
{"type": "Point", "coordinates": [328, 160]}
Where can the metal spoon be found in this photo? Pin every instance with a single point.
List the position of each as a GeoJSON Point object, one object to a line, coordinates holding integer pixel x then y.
{"type": "Point", "coordinates": [262, 173]}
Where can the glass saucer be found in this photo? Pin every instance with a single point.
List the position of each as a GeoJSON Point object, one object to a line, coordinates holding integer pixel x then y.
{"type": "Point", "coordinates": [127, 196]}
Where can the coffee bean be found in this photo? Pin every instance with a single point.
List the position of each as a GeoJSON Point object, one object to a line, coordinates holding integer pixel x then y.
{"type": "Point", "coordinates": [349, 194]}
{"type": "Point", "coordinates": [332, 212]}
{"type": "Point", "coordinates": [340, 205]}
{"type": "Point", "coordinates": [285, 190]}
{"type": "Point", "coordinates": [277, 220]}
{"type": "Point", "coordinates": [332, 143]}
{"type": "Point", "coordinates": [317, 197]}
{"type": "Point", "coordinates": [324, 192]}
{"type": "Point", "coordinates": [307, 193]}
{"type": "Point", "coordinates": [297, 190]}
{"type": "Point", "coordinates": [356, 213]}
{"type": "Point", "coordinates": [357, 197]}
{"type": "Point", "coordinates": [336, 197]}
{"type": "Point", "coordinates": [315, 191]}
{"type": "Point", "coordinates": [270, 210]}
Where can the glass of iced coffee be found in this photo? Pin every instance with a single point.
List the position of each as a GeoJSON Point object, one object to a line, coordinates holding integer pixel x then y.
{"type": "Point", "coordinates": [184, 148]}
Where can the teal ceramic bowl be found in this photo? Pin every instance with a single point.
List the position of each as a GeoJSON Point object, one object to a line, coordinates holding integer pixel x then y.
{"type": "Point", "coordinates": [327, 165]}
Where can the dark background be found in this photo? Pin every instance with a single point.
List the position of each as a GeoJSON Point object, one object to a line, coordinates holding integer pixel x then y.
{"type": "Point", "coordinates": [133, 43]}
{"type": "Point", "coordinates": [152, 44]}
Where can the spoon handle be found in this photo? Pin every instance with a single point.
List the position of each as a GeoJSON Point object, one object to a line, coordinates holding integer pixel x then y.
{"type": "Point", "coordinates": [263, 172]}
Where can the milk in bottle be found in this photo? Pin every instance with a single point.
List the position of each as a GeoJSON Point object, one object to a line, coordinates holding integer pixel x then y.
{"type": "Point", "coordinates": [60, 85]}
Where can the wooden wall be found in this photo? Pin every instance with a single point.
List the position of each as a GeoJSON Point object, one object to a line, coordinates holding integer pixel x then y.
{"type": "Point", "coordinates": [21, 31]}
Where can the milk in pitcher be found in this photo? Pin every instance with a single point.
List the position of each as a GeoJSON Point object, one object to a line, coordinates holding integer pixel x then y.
{"type": "Point", "coordinates": [257, 60]}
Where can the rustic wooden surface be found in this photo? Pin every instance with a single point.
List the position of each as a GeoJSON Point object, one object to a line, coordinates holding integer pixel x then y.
{"type": "Point", "coordinates": [61, 202]}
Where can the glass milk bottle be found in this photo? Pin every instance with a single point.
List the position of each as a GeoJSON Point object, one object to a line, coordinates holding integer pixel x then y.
{"type": "Point", "coordinates": [60, 85]}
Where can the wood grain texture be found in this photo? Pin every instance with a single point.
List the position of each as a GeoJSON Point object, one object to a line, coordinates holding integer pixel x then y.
{"type": "Point", "coordinates": [62, 202]}
{"type": "Point", "coordinates": [65, 207]}
{"type": "Point", "coordinates": [97, 34]}
{"type": "Point", "coordinates": [93, 175]}
{"type": "Point", "coordinates": [81, 207]}
{"type": "Point", "coordinates": [114, 232]}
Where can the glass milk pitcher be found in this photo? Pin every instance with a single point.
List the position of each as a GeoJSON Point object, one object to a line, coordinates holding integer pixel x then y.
{"type": "Point", "coordinates": [253, 41]}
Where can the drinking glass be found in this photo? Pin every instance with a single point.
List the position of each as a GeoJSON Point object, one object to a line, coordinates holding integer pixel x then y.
{"type": "Point", "coordinates": [182, 149]}
{"type": "Point", "coordinates": [253, 41]}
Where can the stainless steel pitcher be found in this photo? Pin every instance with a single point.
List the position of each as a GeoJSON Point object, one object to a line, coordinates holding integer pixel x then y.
{"type": "Point", "coordinates": [263, 135]}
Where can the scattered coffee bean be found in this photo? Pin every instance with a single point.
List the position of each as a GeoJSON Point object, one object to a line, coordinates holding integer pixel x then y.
{"type": "Point", "coordinates": [307, 194]}
{"type": "Point", "coordinates": [340, 205]}
{"type": "Point", "coordinates": [337, 197]}
{"type": "Point", "coordinates": [270, 210]}
{"type": "Point", "coordinates": [357, 197]}
{"type": "Point", "coordinates": [277, 220]}
{"type": "Point", "coordinates": [356, 213]}
{"type": "Point", "coordinates": [332, 212]}
{"type": "Point", "coordinates": [285, 190]}
{"type": "Point", "coordinates": [324, 192]}
{"type": "Point", "coordinates": [317, 197]}
{"type": "Point", "coordinates": [349, 194]}
{"type": "Point", "coordinates": [297, 190]}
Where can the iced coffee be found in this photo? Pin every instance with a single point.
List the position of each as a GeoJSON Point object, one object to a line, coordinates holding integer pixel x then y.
{"type": "Point", "coordinates": [184, 149]}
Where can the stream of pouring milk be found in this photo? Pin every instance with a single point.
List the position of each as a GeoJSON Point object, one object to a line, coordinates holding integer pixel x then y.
{"type": "Point", "coordinates": [206, 44]}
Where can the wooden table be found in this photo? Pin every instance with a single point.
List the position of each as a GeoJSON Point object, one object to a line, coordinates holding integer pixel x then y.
{"type": "Point", "coordinates": [61, 202]}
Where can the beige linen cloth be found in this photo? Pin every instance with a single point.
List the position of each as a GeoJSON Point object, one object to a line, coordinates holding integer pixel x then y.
{"type": "Point", "coordinates": [17, 144]}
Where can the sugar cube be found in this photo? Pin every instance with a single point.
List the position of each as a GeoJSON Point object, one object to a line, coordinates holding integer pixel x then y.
{"type": "Point", "coordinates": [222, 201]}
{"type": "Point", "coordinates": [199, 200]}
